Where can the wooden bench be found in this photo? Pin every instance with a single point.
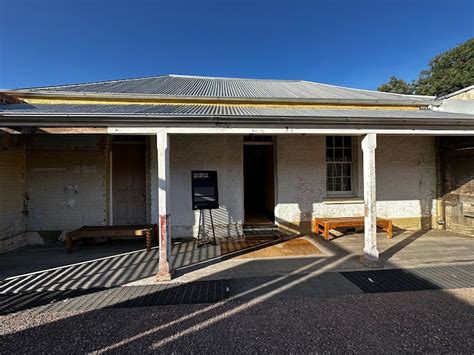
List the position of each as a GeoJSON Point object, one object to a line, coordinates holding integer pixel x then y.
{"type": "Point", "coordinates": [324, 225]}
{"type": "Point", "coordinates": [87, 232]}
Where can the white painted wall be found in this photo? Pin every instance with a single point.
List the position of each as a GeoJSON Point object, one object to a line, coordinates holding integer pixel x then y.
{"type": "Point", "coordinates": [66, 182]}
{"type": "Point", "coordinates": [406, 179]}
{"type": "Point", "coordinates": [12, 188]}
{"type": "Point", "coordinates": [406, 176]}
{"type": "Point", "coordinates": [203, 152]}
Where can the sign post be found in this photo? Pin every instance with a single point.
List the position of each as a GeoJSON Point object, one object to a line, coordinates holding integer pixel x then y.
{"type": "Point", "coordinates": [205, 197]}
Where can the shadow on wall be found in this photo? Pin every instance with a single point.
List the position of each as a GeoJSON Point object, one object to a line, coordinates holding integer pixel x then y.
{"type": "Point", "coordinates": [304, 224]}
{"type": "Point", "coordinates": [406, 183]}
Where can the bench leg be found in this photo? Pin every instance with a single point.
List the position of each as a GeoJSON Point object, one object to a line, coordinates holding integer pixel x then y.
{"type": "Point", "coordinates": [326, 230]}
{"type": "Point", "coordinates": [148, 240]}
{"type": "Point", "coordinates": [68, 243]}
{"type": "Point", "coordinates": [316, 229]}
{"type": "Point", "coordinates": [389, 230]}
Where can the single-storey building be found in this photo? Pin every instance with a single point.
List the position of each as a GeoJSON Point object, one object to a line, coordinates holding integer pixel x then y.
{"type": "Point", "coordinates": [121, 152]}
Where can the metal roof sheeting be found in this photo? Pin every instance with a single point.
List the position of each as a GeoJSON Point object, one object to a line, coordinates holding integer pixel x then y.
{"type": "Point", "coordinates": [210, 87]}
{"type": "Point", "coordinates": [241, 112]}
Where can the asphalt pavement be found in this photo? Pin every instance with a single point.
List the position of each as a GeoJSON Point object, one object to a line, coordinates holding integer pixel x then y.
{"type": "Point", "coordinates": [435, 321]}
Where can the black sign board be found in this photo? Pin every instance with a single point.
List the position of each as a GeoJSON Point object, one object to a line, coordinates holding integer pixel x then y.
{"type": "Point", "coordinates": [204, 189]}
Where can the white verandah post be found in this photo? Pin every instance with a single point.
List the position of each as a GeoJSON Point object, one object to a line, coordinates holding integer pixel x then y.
{"type": "Point", "coordinates": [163, 150]}
{"type": "Point", "coordinates": [371, 254]}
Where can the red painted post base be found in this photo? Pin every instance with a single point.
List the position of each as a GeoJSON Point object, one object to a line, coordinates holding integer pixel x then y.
{"type": "Point", "coordinates": [164, 269]}
{"type": "Point", "coordinates": [164, 276]}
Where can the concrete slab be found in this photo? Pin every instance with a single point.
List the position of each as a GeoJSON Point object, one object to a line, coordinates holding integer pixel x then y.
{"type": "Point", "coordinates": [36, 258]}
{"type": "Point", "coordinates": [126, 263]}
{"type": "Point", "coordinates": [293, 247]}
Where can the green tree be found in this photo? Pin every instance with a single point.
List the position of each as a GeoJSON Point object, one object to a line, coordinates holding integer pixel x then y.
{"type": "Point", "coordinates": [398, 86]}
{"type": "Point", "coordinates": [447, 72]}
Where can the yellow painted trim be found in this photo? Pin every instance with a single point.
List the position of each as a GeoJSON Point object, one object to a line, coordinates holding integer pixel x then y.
{"type": "Point", "coordinates": [126, 101]}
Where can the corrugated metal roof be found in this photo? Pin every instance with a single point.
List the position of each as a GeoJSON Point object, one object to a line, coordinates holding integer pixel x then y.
{"type": "Point", "coordinates": [213, 87]}
{"type": "Point", "coordinates": [241, 112]}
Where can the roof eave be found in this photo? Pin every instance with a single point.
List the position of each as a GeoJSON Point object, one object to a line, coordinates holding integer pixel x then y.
{"type": "Point", "coordinates": [216, 99]}
{"type": "Point", "coordinates": [48, 119]}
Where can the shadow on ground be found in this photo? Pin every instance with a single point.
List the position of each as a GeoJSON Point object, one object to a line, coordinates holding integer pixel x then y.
{"type": "Point", "coordinates": [292, 312]}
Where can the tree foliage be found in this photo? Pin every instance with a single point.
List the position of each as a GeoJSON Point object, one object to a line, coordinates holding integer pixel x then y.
{"type": "Point", "coordinates": [398, 86]}
{"type": "Point", "coordinates": [447, 72]}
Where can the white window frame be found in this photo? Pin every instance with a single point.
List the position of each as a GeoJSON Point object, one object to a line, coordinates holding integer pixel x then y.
{"type": "Point", "coordinates": [352, 162]}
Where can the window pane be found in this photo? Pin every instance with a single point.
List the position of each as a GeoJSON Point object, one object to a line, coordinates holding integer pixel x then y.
{"type": "Point", "coordinates": [338, 141]}
{"type": "Point", "coordinates": [347, 141]}
{"type": "Point", "coordinates": [330, 184]}
{"type": "Point", "coordinates": [346, 184]}
{"type": "Point", "coordinates": [329, 142]}
{"type": "Point", "coordinates": [346, 170]}
{"type": "Point", "coordinates": [338, 154]}
{"type": "Point", "coordinates": [338, 171]}
{"type": "Point", "coordinates": [330, 154]}
{"type": "Point", "coordinates": [329, 170]}
{"type": "Point", "coordinates": [347, 154]}
{"type": "Point", "coordinates": [337, 184]}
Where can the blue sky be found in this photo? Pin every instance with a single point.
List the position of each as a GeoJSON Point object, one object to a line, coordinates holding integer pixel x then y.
{"type": "Point", "coordinates": [345, 42]}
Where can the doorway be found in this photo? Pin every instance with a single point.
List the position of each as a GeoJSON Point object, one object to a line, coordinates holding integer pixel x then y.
{"type": "Point", "coordinates": [128, 183]}
{"type": "Point", "coordinates": [259, 183]}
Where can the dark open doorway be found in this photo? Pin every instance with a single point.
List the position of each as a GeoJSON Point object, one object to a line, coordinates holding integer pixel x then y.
{"type": "Point", "coordinates": [259, 184]}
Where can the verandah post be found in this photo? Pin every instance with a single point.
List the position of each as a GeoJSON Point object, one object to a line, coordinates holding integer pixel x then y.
{"type": "Point", "coordinates": [371, 254]}
{"type": "Point", "coordinates": [163, 152]}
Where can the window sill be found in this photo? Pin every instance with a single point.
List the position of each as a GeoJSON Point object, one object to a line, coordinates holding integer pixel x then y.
{"type": "Point", "coordinates": [336, 200]}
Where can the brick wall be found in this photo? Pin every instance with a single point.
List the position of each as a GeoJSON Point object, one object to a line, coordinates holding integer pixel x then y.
{"type": "Point", "coordinates": [406, 181]}
{"type": "Point", "coordinates": [65, 179]}
{"type": "Point", "coordinates": [12, 188]}
{"type": "Point", "coordinates": [204, 152]}
{"type": "Point", "coordinates": [66, 182]}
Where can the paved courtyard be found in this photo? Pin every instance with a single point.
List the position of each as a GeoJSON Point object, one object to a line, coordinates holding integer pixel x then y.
{"type": "Point", "coordinates": [128, 263]}
{"type": "Point", "coordinates": [249, 296]}
{"type": "Point", "coordinates": [423, 321]}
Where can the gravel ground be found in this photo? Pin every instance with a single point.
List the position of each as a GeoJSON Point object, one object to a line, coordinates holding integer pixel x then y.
{"type": "Point", "coordinates": [422, 321]}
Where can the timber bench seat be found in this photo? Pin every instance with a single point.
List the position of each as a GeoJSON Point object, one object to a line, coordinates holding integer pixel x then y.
{"type": "Point", "coordinates": [324, 225]}
{"type": "Point", "coordinates": [110, 232]}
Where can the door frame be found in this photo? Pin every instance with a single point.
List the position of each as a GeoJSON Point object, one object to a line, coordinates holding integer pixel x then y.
{"type": "Point", "coordinates": [275, 189]}
{"type": "Point", "coordinates": [111, 176]}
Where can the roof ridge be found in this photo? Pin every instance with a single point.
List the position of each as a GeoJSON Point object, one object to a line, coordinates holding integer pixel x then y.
{"type": "Point", "coordinates": [367, 90]}
{"type": "Point", "coordinates": [229, 78]}
{"type": "Point", "coordinates": [93, 82]}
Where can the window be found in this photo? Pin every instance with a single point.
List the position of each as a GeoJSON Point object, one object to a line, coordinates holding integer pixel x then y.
{"type": "Point", "coordinates": [339, 164]}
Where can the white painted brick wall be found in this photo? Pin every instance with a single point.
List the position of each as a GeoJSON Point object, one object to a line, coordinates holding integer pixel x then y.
{"type": "Point", "coordinates": [406, 176]}
{"type": "Point", "coordinates": [406, 179]}
{"type": "Point", "coordinates": [301, 176]}
{"type": "Point", "coordinates": [66, 189]}
{"type": "Point", "coordinates": [12, 188]}
{"type": "Point", "coordinates": [201, 152]}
